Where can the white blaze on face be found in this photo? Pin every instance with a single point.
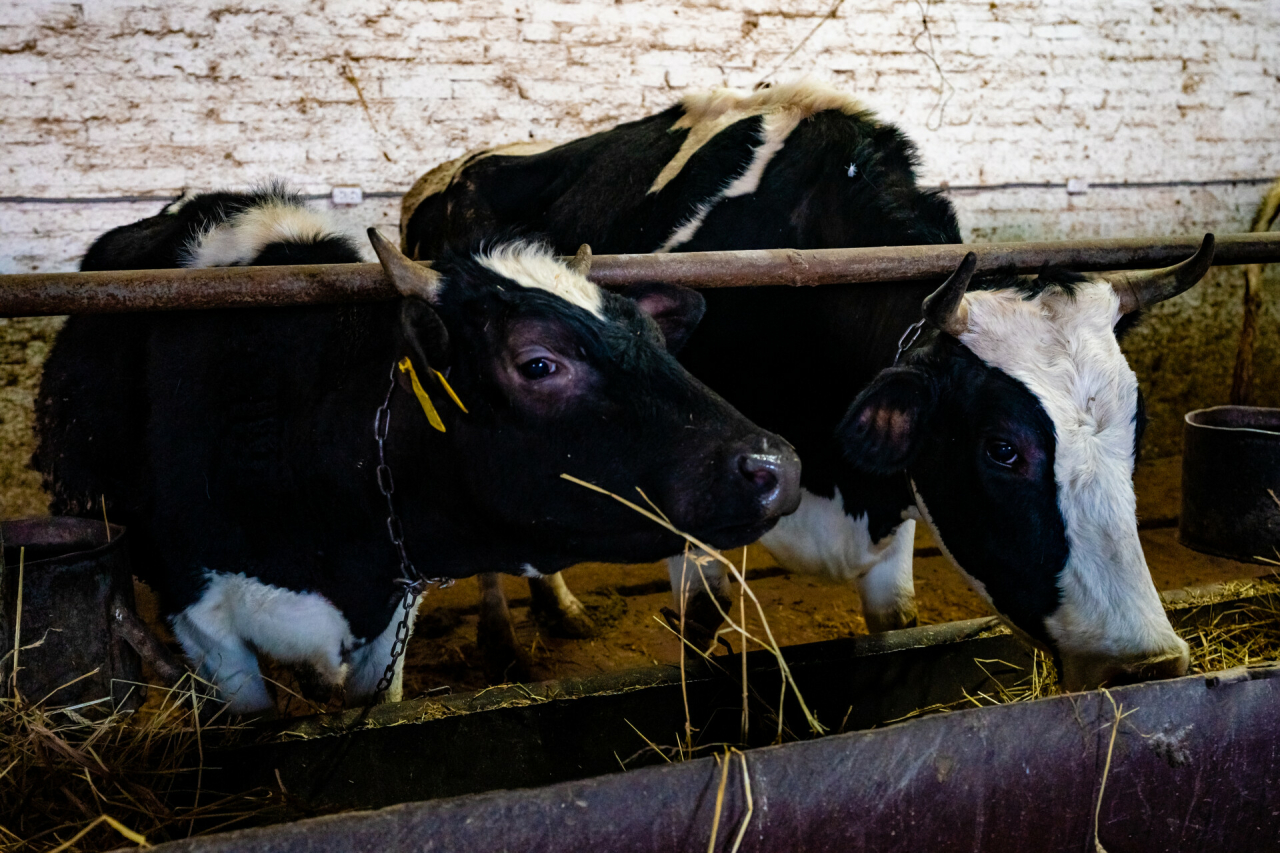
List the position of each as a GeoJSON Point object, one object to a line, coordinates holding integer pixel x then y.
{"type": "Point", "coordinates": [535, 267]}
{"type": "Point", "coordinates": [1064, 350]}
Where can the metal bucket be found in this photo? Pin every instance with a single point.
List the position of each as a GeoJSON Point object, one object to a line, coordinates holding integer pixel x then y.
{"type": "Point", "coordinates": [74, 582]}
{"type": "Point", "coordinates": [1230, 472]}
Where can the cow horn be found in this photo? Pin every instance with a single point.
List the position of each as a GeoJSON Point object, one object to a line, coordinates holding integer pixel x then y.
{"type": "Point", "coordinates": [945, 308]}
{"type": "Point", "coordinates": [581, 262]}
{"type": "Point", "coordinates": [1144, 288]}
{"type": "Point", "coordinates": [411, 279]}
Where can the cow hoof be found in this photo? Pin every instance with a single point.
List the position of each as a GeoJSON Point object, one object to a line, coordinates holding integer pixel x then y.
{"type": "Point", "coordinates": [574, 624]}
{"type": "Point", "coordinates": [702, 620]}
{"type": "Point", "coordinates": [878, 623]}
{"type": "Point", "coordinates": [570, 622]}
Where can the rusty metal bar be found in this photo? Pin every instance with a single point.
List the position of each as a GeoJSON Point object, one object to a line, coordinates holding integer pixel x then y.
{"type": "Point", "coordinates": [242, 287]}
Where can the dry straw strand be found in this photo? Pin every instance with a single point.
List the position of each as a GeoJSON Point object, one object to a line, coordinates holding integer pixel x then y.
{"type": "Point", "coordinates": [771, 644]}
{"type": "Point", "coordinates": [715, 822]}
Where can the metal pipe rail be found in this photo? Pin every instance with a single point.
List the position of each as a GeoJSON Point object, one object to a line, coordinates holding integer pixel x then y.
{"type": "Point", "coordinates": [36, 294]}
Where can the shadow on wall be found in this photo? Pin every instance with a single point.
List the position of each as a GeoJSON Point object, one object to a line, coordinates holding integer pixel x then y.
{"type": "Point", "coordinates": [1183, 352]}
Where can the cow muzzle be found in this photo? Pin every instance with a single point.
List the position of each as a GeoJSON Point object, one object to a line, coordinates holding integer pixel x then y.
{"type": "Point", "coordinates": [1089, 672]}
{"type": "Point", "coordinates": [771, 474]}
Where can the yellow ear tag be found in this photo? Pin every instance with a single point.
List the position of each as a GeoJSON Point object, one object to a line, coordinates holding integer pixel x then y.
{"type": "Point", "coordinates": [449, 388]}
{"type": "Point", "coordinates": [433, 417]}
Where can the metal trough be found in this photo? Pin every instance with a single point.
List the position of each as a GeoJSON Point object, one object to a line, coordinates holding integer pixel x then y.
{"type": "Point", "coordinates": [1195, 762]}
{"type": "Point", "coordinates": [1188, 764]}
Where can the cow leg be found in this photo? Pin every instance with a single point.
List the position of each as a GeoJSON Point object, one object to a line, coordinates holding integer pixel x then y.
{"type": "Point", "coordinates": [697, 590]}
{"type": "Point", "coordinates": [887, 588]}
{"type": "Point", "coordinates": [222, 658]}
{"type": "Point", "coordinates": [504, 659]}
{"type": "Point", "coordinates": [553, 599]}
{"type": "Point", "coordinates": [369, 663]}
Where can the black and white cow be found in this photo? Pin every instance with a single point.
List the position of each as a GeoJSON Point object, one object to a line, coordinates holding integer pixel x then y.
{"type": "Point", "coordinates": [239, 445]}
{"type": "Point", "coordinates": [1018, 430]}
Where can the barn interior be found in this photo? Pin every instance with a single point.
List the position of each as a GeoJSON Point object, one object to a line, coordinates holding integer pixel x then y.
{"type": "Point", "coordinates": [1038, 122]}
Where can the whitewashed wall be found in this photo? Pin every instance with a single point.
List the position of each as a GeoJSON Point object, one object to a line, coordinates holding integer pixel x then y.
{"type": "Point", "coordinates": [1170, 111]}
{"type": "Point", "coordinates": [120, 99]}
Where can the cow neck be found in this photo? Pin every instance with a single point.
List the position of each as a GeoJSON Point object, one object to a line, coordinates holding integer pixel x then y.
{"type": "Point", "coordinates": [414, 584]}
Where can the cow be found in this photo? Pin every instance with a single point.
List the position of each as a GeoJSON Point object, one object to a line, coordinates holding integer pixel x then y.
{"type": "Point", "coordinates": [282, 470]}
{"type": "Point", "coordinates": [1012, 435]}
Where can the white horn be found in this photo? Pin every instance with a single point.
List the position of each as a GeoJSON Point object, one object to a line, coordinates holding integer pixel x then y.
{"type": "Point", "coordinates": [410, 278]}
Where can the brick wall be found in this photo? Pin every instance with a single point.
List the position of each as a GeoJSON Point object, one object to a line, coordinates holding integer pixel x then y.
{"type": "Point", "coordinates": [113, 100]}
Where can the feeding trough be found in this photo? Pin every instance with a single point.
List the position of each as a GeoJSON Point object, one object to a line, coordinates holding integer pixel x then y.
{"type": "Point", "coordinates": [1230, 483]}
{"type": "Point", "coordinates": [1026, 775]}
{"type": "Point", "coordinates": [1171, 765]}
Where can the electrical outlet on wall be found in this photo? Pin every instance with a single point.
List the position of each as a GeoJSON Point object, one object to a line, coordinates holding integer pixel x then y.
{"type": "Point", "coordinates": [347, 195]}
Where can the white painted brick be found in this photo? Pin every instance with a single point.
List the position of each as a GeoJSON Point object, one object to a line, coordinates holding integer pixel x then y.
{"type": "Point", "coordinates": [1038, 92]}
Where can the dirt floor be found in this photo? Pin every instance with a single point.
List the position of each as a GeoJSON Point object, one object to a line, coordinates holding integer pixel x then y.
{"type": "Point", "coordinates": [625, 600]}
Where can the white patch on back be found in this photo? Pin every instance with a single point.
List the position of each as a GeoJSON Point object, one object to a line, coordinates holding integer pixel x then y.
{"type": "Point", "coordinates": [180, 202]}
{"type": "Point", "coordinates": [237, 615]}
{"type": "Point", "coordinates": [1064, 350]}
{"type": "Point", "coordinates": [775, 129]}
{"type": "Point", "coordinates": [707, 113]}
{"type": "Point", "coordinates": [685, 230]}
{"type": "Point", "coordinates": [534, 266]}
{"type": "Point", "coordinates": [242, 237]}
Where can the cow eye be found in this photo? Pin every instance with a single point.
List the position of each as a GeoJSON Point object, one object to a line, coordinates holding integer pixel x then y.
{"type": "Point", "coordinates": [1002, 453]}
{"type": "Point", "coordinates": [537, 368]}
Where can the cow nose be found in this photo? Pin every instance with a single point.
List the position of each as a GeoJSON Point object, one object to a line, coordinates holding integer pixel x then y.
{"type": "Point", "coordinates": [1092, 673]}
{"type": "Point", "coordinates": [773, 474]}
{"type": "Point", "coordinates": [1173, 666]}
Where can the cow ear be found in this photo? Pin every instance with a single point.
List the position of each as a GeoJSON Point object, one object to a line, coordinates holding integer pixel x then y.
{"type": "Point", "coordinates": [881, 432]}
{"type": "Point", "coordinates": [424, 333]}
{"type": "Point", "coordinates": [677, 310]}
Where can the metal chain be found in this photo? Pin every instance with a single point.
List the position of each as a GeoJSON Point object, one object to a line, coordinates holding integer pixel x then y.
{"type": "Point", "coordinates": [908, 338]}
{"type": "Point", "coordinates": [412, 580]}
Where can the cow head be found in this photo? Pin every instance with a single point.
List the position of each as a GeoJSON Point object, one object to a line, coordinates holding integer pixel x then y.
{"type": "Point", "coordinates": [1017, 420]}
{"type": "Point", "coordinates": [561, 377]}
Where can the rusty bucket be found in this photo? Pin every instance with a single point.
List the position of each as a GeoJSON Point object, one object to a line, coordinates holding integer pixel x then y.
{"type": "Point", "coordinates": [74, 583]}
{"type": "Point", "coordinates": [1230, 483]}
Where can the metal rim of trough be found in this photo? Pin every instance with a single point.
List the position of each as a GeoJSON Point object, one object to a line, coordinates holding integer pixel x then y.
{"type": "Point", "coordinates": [1128, 768]}
{"type": "Point", "coordinates": [33, 294]}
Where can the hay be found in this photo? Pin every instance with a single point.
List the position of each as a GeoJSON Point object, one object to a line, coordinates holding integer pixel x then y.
{"type": "Point", "coordinates": [1228, 625]}
{"type": "Point", "coordinates": [1244, 632]}
{"type": "Point", "coordinates": [86, 778]}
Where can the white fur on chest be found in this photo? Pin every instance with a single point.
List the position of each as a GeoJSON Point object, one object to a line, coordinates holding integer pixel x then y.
{"type": "Point", "coordinates": [821, 538]}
